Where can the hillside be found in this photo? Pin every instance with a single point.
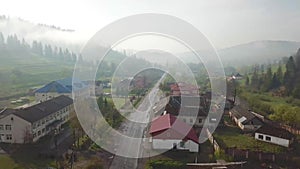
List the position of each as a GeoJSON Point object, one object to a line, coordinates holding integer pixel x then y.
{"type": "Point", "coordinates": [257, 52]}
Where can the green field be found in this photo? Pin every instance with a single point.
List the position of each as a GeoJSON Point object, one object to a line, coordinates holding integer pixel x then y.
{"type": "Point", "coordinates": [20, 73]}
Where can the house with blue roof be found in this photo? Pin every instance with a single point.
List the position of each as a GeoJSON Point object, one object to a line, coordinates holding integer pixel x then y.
{"type": "Point", "coordinates": [65, 87]}
{"type": "Point", "coordinates": [54, 89]}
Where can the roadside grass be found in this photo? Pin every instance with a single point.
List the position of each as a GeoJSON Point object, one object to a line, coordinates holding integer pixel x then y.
{"type": "Point", "coordinates": [137, 102]}
{"type": "Point", "coordinates": [231, 137]}
{"type": "Point", "coordinates": [106, 90]}
{"type": "Point", "coordinates": [117, 101]}
{"type": "Point", "coordinates": [176, 155]}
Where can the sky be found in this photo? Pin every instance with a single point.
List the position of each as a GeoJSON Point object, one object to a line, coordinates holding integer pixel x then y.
{"type": "Point", "coordinates": [224, 22]}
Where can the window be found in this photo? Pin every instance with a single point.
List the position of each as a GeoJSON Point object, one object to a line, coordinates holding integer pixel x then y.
{"type": "Point", "coordinates": [268, 138]}
{"type": "Point", "coordinates": [261, 137]}
{"type": "Point", "coordinates": [39, 133]}
{"type": "Point", "coordinates": [1, 127]}
{"type": "Point", "coordinates": [182, 144]}
{"type": "Point", "coordinates": [7, 127]}
{"type": "Point", "coordinates": [43, 130]}
{"type": "Point", "coordinates": [200, 120]}
{"type": "Point", "coordinates": [1, 136]}
{"type": "Point", "coordinates": [183, 120]}
{"type": "Point", "coordinates": [8, 137]}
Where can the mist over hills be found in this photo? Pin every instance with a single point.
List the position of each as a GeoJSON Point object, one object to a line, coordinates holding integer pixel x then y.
{"type": "Point", "coordinates": [264, 51]}
{"type": "Point", "coordinates": [257, 52]}
{"type": "Point", "coordinates": [47, 34]}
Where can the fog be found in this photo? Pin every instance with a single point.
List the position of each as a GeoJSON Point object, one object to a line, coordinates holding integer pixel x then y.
{"type": "Point", "coordinates": [47, 34]}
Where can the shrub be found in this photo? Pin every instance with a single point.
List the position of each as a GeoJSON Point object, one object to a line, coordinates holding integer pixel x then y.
{"type": "Point", "coordinates": [165, 164]}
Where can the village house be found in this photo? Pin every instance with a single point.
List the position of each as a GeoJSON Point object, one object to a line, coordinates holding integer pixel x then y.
{"type": "Point", "coordinates": [29, 124]}
{"type": "Point", "coordinates": [274, 135]}
{"type": "Point", "coordinates": [168, 132]}
{"type": "Point", "coordinates": [181, 88]}
{"type": "Point", "coordinates": [237, 76]}
{"type": "Point", "coordinates": [189, 109]}
{"type": "Point", "coordinates": [65, 87]}
{"type": "Point", "coordinates": [124, 86]}
{"type": "Point", "coordinates": [139, 82]}
{"type": "Point", "coordinates": [245, 119]}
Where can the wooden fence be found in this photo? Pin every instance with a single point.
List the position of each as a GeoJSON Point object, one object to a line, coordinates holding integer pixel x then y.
{"type": "Point", "coordinates": [212, 140]}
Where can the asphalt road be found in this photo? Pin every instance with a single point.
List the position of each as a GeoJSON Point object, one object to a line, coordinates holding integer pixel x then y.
{"type": "Point", "coordinates": [133, 129]}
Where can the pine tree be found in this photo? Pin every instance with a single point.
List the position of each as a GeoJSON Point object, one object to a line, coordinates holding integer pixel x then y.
{"type": "Point", "coordinates": [279, 74]}
{"type": "Point", "coordinates": [2, 41]}
{"type": "Point", "coordinates": [290, 74]}
{"type": "Point", "coordinates": [255, 80]}
{"type": "Point", "coordinates": [60, 53]}
{"type": "Point", "coordinates": [275, 82]}
{"type": "Point", "coordinates": [267, 81]}
{"type": "Point", "coordinates": [297, 59]}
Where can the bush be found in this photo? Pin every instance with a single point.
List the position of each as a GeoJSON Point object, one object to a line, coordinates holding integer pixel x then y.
{"type": "Point", "coordinates": [165, 164]}
{"type": "Point", "coordinates": [221, 155]}
{"type": "Point", "coordinates": [95, 164]}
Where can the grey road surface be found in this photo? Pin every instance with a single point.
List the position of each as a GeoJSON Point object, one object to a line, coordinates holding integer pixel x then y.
{"type": "Point", "coordinates": [133, 129]}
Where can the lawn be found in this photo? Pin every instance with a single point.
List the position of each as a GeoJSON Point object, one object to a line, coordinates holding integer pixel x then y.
{"type": "Point", "coordinates": [232, 137]}
{"type": "Point", "coordinates": [8, 163]}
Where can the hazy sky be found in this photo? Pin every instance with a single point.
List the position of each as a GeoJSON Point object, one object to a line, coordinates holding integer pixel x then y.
{"type": "Point", "coordinates": [224, 22]}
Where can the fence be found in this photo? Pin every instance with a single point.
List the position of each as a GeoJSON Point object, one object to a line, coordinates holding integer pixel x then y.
{"type": "Point", "coordinates": [290, 129]}
{"type": "Point", "coordinates": [239, 154]}
{"type": "Point", "coordinates": [212, 140]}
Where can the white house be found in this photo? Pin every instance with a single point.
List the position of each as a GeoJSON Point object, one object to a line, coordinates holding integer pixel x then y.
{"type": "Point", "coordinates": [274, 135]}
{"type": "Point", "coordinates": [29, 124]}
{"type": "Point", "coordinates": [168, 132]}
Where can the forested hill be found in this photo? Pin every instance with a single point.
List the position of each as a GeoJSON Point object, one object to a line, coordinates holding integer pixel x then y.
{"type": "Point", "coordinates": [25, 65]}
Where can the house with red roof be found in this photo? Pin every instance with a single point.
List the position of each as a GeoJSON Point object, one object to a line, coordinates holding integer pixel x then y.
{"type": "Point", "coordinates": [168, 132]}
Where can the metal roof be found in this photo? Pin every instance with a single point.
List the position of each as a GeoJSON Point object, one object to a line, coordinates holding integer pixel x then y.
{"type": "Point", "coordinates": [169, 122]}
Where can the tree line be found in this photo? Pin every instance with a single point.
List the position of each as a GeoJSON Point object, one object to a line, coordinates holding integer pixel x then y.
{"type": "Point", "coordinates": [13, 45]}
{"type": "Point", "coordinates": [281, 79]}
{"type": "Point", "coordinates": [285, 80]}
